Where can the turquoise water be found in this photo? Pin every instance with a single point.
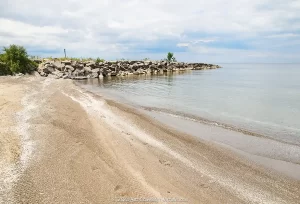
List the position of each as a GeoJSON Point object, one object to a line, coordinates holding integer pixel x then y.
{"type": "Point", "coordinates": [261, 98]}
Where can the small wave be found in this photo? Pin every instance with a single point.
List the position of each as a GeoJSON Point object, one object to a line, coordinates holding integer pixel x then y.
{"type": "Point", "coordinates": [195, 118]}
{"type": "Point", "coordinates": [263, 122]}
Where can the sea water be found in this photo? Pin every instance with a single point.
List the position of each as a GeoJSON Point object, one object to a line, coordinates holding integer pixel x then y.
{"type": "Point", "coordinates": [260, 98]}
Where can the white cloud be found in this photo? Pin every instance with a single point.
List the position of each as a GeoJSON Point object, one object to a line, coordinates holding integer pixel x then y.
{"type": "Point", "coordinates": [204, 41]}
{"type": "Point", "coordinates": [117, 27]}
{"type": "Point", "coordinates": [193, 42]}
{"type": "Point", "coordinates": [182, 44]}
{"type": "Point", "coordinates": [283, 35]}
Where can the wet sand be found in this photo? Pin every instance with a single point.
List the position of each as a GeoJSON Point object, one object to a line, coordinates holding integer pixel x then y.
{"type": "Point", "coordinates": [72, 146]}
{"type": "Point", "coordinates": [277, 156]}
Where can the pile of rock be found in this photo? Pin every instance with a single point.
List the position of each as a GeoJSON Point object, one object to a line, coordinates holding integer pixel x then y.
{"type": "Point", "coordinates": [83, 70]}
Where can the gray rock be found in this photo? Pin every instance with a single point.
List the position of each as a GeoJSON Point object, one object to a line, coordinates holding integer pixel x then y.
{"type": "Point", "coordinates": [69, 67]}
{"type": "Point", "coordinates": [91, 64]}
{"type": "Point", "coordinates": [66, 62]}
{"type": "Point", "coordinates": [48, 70]}
{"type": "Point", "coordinates": [52, 76]}
{"type": "Point", "coordinates": [73, 63]}
{"type": "Point", "coordinates": [94, 75]}
{"type": "Point", "coordinates": [78, 72]}
{"type": "Point", "coordinates": [148, 63]}
{"type": "Point", "coordinates": [80, 66]}
{"type": "Point", "coordinates": [80, 77]}
{"type": "Point", "coordinates": [113, 73]}
{"type": "Point", "coordinates": [66, 77]}
{"type": "Point", "coordinates": [58, 65]}
{"type": "Point", "coordinates": [19, 74]}
{"type": "Point", "coordinates": [43, 74]}
{"type": "Point", "coordinates": [87, 69]}
{"type": "Point", "coordinates": [96, 70]}
{"type": "Point", "coordinates": [58, 74]}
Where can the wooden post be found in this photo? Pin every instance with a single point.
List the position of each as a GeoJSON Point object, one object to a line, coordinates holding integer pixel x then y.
{"type": "Point", "coordinates": [65, 53]}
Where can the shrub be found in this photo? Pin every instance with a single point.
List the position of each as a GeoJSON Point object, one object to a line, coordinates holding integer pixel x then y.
{"type": "Point", "coordinates": [75, 59]}
{"type": "Point", "coordinates": [4, 69]}
{"type": "Point", "coordinates": [98, 60]}
{"type": "Point", "coordinates": [15, 59]}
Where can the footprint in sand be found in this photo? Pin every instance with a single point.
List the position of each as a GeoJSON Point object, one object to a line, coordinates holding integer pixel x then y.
{"type": "Point", "coordinates": [166, 163]}
{"type": "Point", "coordinates": [94, 168]}
{"type": "Point", "coordinates": [126, 133]}
{"type": "Point", "coordinates": [118, 187]}
{"type": "Point", "coordinates": [121, 191]}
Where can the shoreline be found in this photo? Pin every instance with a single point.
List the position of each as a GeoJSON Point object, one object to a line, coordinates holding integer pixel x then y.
{"type": "Point", "coordinates": [117, 87]}
{"type": "Point", "coordinates": [86, 145]}
{"type": "Point", "coordinates": [214, 123]}
{"type": "Point", "coordinates": [282, 158]}
{"type": "Point", "coordinates": [278, 160]}
{"type": "Point", "coordinates": [275, 155]}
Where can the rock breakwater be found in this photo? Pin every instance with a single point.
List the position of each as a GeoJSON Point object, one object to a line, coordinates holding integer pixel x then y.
{"type": "Point", "coordinates": [68, 69]}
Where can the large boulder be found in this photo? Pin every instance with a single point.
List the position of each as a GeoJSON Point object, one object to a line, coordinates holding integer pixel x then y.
{"type": "Point", "coordinates": [58, 74]}
{"type": "Point", "coordinates": [78, 72]}
{"type": "Point", "coordinates": [96, 70]}
{"type": "Point", "coordinates": [66, 62]}
{"type": "Point", "coordinates": [91, 64]}
{"type": "Point", "coordinates": [73, 63]}
{"type": "Point", "coordinates": [66, 76]}
{"type": "Point", "coordinates": [94, 75]}
{"type": "Point", "coordinates": [80, 66]}
{"type": "Point", "coordinates": [148, 63]}
{"type": "Point", "coordinates": [69, 67]}
{"type": "Point", "coordinates": [153, 67]}
{"type": "Point", "coordinates": [43, 74]}
{"type": "Point", "coordinates": [58, 65]}
{"type": "Point", "coordinates": [48, 69]}
{"type": "Point", "coordinates": [87, 69]}
{"type": "Point", "coordinates": [164, 63]}
{"type": "Point", "coordinates": [105, 71]}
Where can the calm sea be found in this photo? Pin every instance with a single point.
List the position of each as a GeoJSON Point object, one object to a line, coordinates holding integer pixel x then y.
{"type": "Point", "coordinates": [261, 98]}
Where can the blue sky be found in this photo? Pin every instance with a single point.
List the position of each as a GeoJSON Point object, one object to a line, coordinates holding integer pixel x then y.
{"type": "Point", "coordinates": [216, 31]}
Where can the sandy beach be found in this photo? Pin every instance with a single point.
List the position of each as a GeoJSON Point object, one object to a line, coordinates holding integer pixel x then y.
{"type": "Point", "coordinates": [62, 144]}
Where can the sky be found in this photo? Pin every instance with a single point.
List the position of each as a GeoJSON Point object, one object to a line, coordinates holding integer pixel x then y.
{"type": "Point", "coordinates": [213, 31]}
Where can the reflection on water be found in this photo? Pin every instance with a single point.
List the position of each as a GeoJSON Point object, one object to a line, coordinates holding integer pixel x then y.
{"type": "Point", "coordinates": [263, 98]}
{"type": "Point", "coordinates": [110, 81]}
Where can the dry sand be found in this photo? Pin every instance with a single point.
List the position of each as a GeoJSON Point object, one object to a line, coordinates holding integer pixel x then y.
{"type": "Point", "coordinates": [60, 144]}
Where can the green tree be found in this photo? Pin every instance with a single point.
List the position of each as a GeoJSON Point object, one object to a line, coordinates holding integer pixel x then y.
{"type": "Point", "coordinates": [170, 57]}
{"type": "Point", "coordinates": [17, 60]}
